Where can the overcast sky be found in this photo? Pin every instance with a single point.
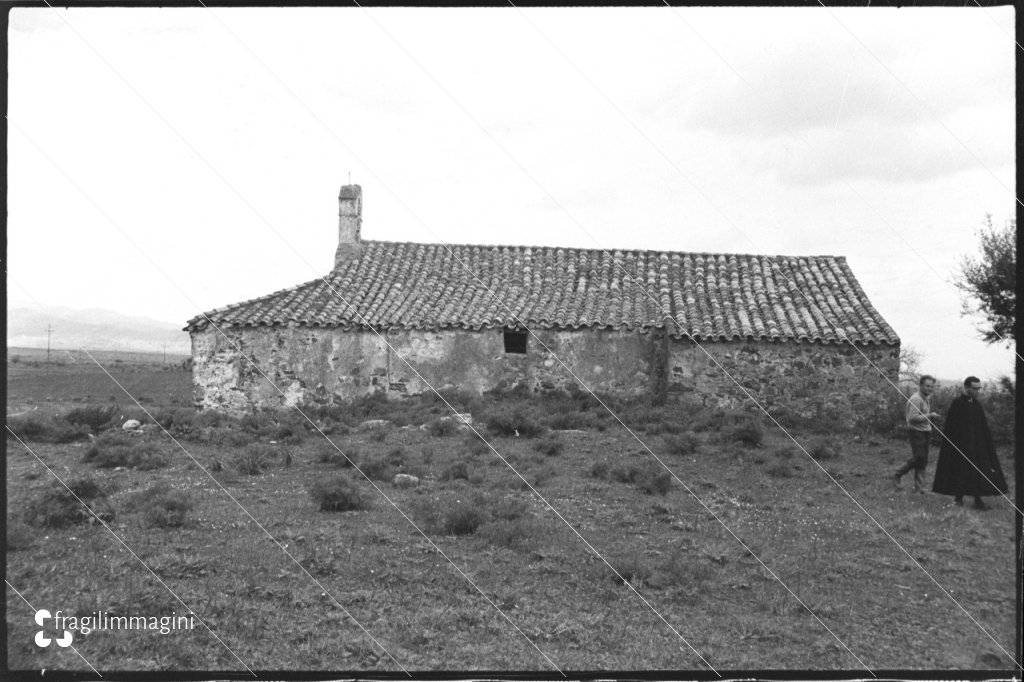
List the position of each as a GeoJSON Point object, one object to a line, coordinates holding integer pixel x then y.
{"type": "Point", "coordinates": [163, 162]}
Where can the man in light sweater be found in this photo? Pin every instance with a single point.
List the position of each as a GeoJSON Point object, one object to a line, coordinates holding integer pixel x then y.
{"type": "Point", "coordinates": [919, 432]}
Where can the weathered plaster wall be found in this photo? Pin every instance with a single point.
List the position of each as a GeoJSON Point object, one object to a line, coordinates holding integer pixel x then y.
{"type": "Point", "coordinates": [315, 365]}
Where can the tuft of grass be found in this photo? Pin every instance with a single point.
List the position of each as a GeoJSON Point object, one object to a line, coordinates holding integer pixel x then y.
{"type": "Point", "coordinates": [633, 570]}
{"type": "Point", "coordinates": [161, 505]}
{"type": "Point", "coordinates": [475, 445]}
{"type": "Point", "coordinates": [550, 445]}
{"type": "Point", "coordinates": [783, 452]}
{"type": "Point", "coordinates": [337, 494]}
{"type": "Point", "coordinates": [521, 534]}
{"type": "Point", "coordinates": [57, 507]}
{"type": "Point", "coordinates": [87, 488]}
{"type": "Point", "coordinates": [682, 569]}
{"type": "Point", "coordinates": [379, 468]}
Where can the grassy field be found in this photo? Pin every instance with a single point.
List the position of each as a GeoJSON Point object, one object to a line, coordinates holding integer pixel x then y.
{"type": "Point", "coordinates": [285, 585]}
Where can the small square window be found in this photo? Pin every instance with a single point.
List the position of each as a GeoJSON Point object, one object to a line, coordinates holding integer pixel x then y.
{"type": "Point", "coordinates": [515, 341]}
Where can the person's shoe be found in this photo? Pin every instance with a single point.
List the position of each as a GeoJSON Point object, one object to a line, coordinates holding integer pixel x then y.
{"type": "Point", "coordinates": [980, 505]}
{"type": "Point", "coordinates": [958, 501]}
{"type": "Point", "coordinates": [919, 491]}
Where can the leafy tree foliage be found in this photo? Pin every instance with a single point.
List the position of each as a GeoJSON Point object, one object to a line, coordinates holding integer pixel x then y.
{"type": "Point", "coordinates": [991, 281]}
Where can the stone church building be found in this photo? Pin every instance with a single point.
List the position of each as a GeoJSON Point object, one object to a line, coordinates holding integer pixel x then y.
{"type": "Point", "coordinates": [398, 317]}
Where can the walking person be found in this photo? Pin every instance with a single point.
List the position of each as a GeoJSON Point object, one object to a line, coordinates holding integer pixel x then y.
{"type": "Point", "coordinates": [919, 432]}
{"type": "Point", "coordinates": [967, 458]}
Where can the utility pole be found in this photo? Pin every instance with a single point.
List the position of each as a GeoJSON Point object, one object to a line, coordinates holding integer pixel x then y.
{"type": "Point", "coordinates": [49, 328]}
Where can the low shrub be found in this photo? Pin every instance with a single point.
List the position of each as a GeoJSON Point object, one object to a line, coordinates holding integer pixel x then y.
{"type": "Point", "coordinates": [685, 443]}
{"type": "Point", "coordinates": [87, 488]}
{"type": "Point", "coordinates": [95, 417]}
{"type": "Point", "coordinates": [337, 494]}
{"type": "Point", "coordinates": [783, 452]}
{"type": "Point", "coordinates": [521, 534]}
{"type": "Point", "coordinates": [57, 507]}
{"type": "Point", "coordinates": [624, 473]}
{"type": "Point", "coordinates": [550, 445]}
{"type": "Point", "coordinates": [442, 428]}
{"type": "Point", "coordinates": [119, 450]}
{"type": "Point", "coordinates": [341, 456]}
{"type": "Point", "coordinates": [455, 471]}
{"type": "Point", "coordinates": [378, 469]}
{"type": "Point", "coordinates": [684, 569]}
{"type": "Point", "coordinates": [598, 469]}
{"type": "Point", "coordinates": [748, 432]}
{"type": "Point", "coordinates": [780, 470]}
{"type": "Point", "coordinates": [256, 459]}
{"type": "Point", "coordinates": [46, 430]}
{"type": "Point", "coordinates": [632, 570]}
{"type": "Point", "coordinates": [515, 422]}
{"type": "Point", "coordinates": [574, 420]}
{"type": "Point", "coordinates": [161, 505]}
{"type": "Point", "coordinates": [475, 445]}
{"type": "Point", "coordinates": [823, 450]}
{"type": "Point", "coordinates": [654, 481]}
{"type": "Point", "coordinates": [462, 520]}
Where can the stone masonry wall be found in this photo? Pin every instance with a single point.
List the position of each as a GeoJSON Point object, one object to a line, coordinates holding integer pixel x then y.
{"type": "Point", "coordinates": [298, 365]}
{"type": "Point", "coordinates": [800, 376]}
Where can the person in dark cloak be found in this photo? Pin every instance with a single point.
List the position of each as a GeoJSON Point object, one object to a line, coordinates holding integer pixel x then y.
{"type": "Point", "coordinates": [967, 458]}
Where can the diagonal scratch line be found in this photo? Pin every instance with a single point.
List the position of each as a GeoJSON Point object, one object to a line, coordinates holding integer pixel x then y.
{"type": "Point", "coordinates": [795, 134]}
{"type": "Point", "coordinates": [920, 101]}
{"type": "Point", "coordinates": [123, 544]}
{"type": "Point", "coordinates": [174, 284]}
{"type": "Point", "coordinates": [775, 266]}
{"type": "Point", "coordinates": [998, 25]}
{"type": "Point", "coordinates": [246, 511]}
{"type": "Point", "coordinates": [354, 466]}
{"type": "Point", "coordinates": [34, 609]}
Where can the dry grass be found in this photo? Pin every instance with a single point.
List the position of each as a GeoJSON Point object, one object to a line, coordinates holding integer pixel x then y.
{"type": "Point", "coordinates": [528, 561]}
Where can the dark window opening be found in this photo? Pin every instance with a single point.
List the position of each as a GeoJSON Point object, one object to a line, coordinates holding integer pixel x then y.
{"type": "Point", "coordinates": [515, 342]}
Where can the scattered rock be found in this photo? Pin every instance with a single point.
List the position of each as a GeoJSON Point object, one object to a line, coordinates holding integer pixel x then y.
{"type": "Point", "coordinates": [131, 425]}
{"type": "Point", "coordinates": [374, 424]}
{"type": "Point", "coordinates": [405, 480]}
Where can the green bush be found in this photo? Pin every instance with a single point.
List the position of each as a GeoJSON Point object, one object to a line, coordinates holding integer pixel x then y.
{"type": "Point", "coordinates": [780, 470]}
{"type": "Point", "coordinates": [599, 469]}
{"type": "Point", "coordinates": [521, 534]}
{"type": "Point", "coordinates": [337, 494]}
{"type": "Point", "coordinates": [56, 506]}
{"type": "Point", "coordinates": [475, 444]}
{"type": "Point", "coordinates": [378, 469]}
{"type": "Point", "coordinates": [86, 488]}
{"type": "Point", "coordinates": [684, 569]}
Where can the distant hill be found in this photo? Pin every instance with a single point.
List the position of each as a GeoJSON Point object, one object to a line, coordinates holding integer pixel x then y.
{"type": "Point", "coordinates": [92, 328]}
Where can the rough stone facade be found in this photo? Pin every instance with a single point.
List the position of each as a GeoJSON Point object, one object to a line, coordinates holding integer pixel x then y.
{"type": "Point", "coordinates": [315, 365]}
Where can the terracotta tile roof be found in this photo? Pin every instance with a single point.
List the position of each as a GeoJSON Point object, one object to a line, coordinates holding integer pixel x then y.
{"type": "Point", "coordinates": [403, 285]}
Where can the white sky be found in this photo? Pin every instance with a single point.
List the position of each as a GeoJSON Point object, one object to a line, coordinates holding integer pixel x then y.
{"type": "Point", "coordinates": [216, 141]}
